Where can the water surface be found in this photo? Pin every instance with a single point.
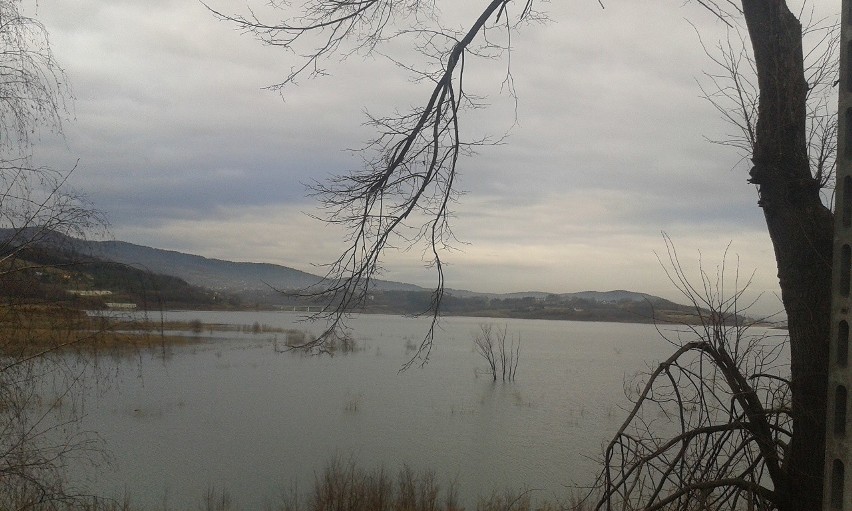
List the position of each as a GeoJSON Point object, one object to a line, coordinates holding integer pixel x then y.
{"type": "Point", "coordinates": [233, 413]}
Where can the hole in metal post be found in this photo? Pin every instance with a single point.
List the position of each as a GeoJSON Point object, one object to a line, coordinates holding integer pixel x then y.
{"type": "Point", "coordinates": [840, 410]}
{"type": "Point", "coordinates": [849, 61]}
{"type": "Point", "coordinates": [847, 200]}
{"type": "Point", "coordinates": [847, 136]}
{"type": "Point", "coordinates": [837, 480]}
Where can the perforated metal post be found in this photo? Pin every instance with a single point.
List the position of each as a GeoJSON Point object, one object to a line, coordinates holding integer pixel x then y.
{"type": "Point", "coordinates": [837, 489]}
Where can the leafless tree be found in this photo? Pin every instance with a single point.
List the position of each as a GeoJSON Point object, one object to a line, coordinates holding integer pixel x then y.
{"type": "Point", "coordinates": [711, 426]}
{"type": "Point", "coordinates": [39, 383]}
{"type": "Point", "coordinates": [732, 88]}
{"type": "Point", "coordinates": [402, 195]}
{"type": "Point", "coordinates": [490, 344]}
{"type": "Point", "coordinates": [35, 202]}
{"type": "Point", "coordinates": [483, 342]}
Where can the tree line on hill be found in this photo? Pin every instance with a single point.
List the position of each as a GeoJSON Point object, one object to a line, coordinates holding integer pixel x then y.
{"type": "Point", "coordinates": [40, 274]}
{"type": "Point", "coordinates": [46, 273]}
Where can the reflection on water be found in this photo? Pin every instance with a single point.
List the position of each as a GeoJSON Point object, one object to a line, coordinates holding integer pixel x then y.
{"type": "Point", "coordinates": [234, 413]}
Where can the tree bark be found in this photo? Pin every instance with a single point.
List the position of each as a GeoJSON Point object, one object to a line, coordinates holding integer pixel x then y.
{"type": "Point", "coordinates": [801, 229]}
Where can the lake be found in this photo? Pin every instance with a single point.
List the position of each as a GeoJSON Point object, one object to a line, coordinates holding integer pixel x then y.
{"type": "Point", "coordinates": [234, 413]}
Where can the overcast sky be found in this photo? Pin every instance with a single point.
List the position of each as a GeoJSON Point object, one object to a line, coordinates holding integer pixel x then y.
{"type": "Point", "coordinates": [181, 146]}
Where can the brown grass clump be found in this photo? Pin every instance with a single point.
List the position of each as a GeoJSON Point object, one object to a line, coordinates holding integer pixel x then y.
{"type": "Point", "coordinates": [346, 487]}
{"type": "Point", "coordinates": [31, 330]}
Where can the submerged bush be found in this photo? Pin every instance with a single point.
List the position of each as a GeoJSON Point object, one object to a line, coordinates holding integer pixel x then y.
{"type": "Point", "coordinates": [196, 326]}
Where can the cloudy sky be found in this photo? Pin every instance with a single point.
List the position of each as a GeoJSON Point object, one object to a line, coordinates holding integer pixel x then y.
{"type": "Point", "coordinates": [183, 148]}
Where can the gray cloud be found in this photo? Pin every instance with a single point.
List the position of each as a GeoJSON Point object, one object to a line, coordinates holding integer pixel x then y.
{"type": "Point", "coordinates": [181, 146]}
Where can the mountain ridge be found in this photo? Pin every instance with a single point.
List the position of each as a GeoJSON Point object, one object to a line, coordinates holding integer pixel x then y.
{"type": "Point", "coordinates": [235, 276]}
{"type": "Point", "coordinates": [213, 273]}
{"type": "Point", "coordinates": [265, 278]}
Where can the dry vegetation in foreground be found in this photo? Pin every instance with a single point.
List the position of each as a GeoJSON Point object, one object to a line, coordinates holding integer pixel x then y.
{"type": "Point", "coordinates": [343, 486]}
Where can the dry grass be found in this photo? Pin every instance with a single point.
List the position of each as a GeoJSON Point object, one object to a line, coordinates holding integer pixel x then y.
{"type": "Point", "coordinates": [343, 486]}
{"type": "Point", "coordinates": [33, 329]}
{"type": "Point", "coordinates": [195, 326]}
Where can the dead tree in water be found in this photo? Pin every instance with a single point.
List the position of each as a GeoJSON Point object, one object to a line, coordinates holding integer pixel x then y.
{"type": "Point", "coordinates": [491, 345]}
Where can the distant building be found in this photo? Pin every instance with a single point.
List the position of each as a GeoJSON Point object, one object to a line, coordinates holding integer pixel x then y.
{"type": "Point", "coordinates": [121, 306]}
{"type": "Point", "coordinates": [89, 292]}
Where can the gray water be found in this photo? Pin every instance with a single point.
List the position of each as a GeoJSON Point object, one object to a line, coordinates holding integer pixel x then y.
{"type": "Point", "coordinates": [233, 413]}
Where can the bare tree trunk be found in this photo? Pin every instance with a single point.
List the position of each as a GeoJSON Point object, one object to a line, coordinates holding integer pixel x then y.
{"type": "Point", "coordinates": [800, 227]}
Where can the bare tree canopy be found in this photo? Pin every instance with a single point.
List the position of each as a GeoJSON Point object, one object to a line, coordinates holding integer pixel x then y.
{"type": "Point", "coordinates": [34, 200]}
{"type": "Point", "coordinates": [732, 88]}
{"type": "Point", "coordinates": [37, 435]}
{"type": "Point", "coordinates": [33, 86]}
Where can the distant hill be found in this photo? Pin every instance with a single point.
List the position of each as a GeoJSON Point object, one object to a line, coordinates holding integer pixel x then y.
{"type": "Point", "coordinates": [231, 276]}
{"type": "Point", "coordinates": [40, 274]}
{"type": "Point", "coordinates": [216, 274]}
{"type": "Point", "coordinates": [615, 296]}
{"type": "Point", "coordinates": [244, 284]}
{"type": "Point", "coordinates": [618, 305]}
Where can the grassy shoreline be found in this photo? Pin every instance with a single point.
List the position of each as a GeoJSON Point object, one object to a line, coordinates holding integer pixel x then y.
{"type": "Point", "coordinates": [34, 329]}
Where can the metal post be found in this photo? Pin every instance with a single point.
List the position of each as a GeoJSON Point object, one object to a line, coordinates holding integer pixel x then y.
{"type": "Point", "coordinates": [837, 493]}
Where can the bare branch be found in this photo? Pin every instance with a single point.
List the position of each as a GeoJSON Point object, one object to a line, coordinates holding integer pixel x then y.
{"type": "Point", "coordinates": [402, 197]}
{"type": "Point", "coordinates": [711, 423]}
{"type": "Point", "coordinates": [731, 88]}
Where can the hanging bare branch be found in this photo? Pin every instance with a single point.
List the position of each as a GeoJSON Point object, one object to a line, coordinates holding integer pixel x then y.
{"type": "Point", "coordinates": [35, 201]}
{"type": "Point", "coordinates": [402, 196]}
{"type": "Point", "coordinates": [33, 89]}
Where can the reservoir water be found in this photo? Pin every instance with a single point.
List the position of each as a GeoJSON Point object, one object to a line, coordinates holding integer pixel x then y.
{"type": "Point", "coordinates": [232, 412]}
